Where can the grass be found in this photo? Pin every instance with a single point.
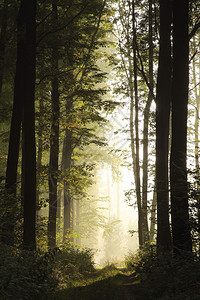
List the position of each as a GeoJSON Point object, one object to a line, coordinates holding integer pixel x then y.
{"type": "Point", "coordinates": [108, 283]}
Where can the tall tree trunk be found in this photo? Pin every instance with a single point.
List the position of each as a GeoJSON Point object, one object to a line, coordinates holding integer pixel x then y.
{"type": "Point", "coordinates": [136, 123]}
{"type": "Point", "coordinates": [23, 103]}
{"type": "Point", "coordinates": [66, 165]}
{"type": "Point", "coordinates": [197, 145]}
{"type": "Point", "coordinates": [15, 129]}
{"type": "Point", "coordinates": [3, 40]}
{"type": "Point", "coordinates": [153, 217]}
{"type": "Point", "coordinates": [54, 145]}
{"type": "Point", "coordinates": [146, 130]}
{"type": "Point", "coordinates": [178, 174]}
{"type": "Point", "coordinates": [163, 98]}
{"type": "Point", "coordinates": [27, 19]}
{"type": "Point", "coordinates": [39, 152]}
{"type": "Point", "coordinates": [196, 129]}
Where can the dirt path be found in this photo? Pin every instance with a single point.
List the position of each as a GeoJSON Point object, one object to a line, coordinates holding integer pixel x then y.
{"type": "Point", "coordinates": [118, 287]}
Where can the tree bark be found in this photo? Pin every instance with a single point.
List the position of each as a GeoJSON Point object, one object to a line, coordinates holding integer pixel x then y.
{"type": "Point", "coordinates": [153, 217]}
{"type": "Point", "coordinates": [67, 152]}
{"type": "Point", "coordinates": [163, 98]}
{"type": "Point", "coordinates": [178, 174]}
{"type": "Point", "coordinates": [39, 152]}
{"type": "Point", "coordinates": [136, 123]}
{"type": "Point", "coordinates": [27, 17]}
{"type": "Point", "coordinates": [23, 104]}
{"type": "Point", "coordinates": [146, 130]}
{"type": "Point", "coordinates": [196, 129]}
{"type": "Point", "coordinates": [66, 165]}
{"type": "Point", "coordinates": [3, 41]}
{"type": "Point", "coordinates": [54, 145]}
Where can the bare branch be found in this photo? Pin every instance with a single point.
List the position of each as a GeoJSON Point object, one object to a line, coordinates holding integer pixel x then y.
{"type": "Point", "coordinates": [62, 27]}
{"type": "Point", "coordinates": [194, 30]}
{"type": "Point", "coordinates": [143, 73]}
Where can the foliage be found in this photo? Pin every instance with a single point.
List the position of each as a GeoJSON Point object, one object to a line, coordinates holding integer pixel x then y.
{"type": "Point", "coordinates": [72, 264]}
{"type": "Point", "coordinates": [25, 275]}
{"type": "Point", "coordinates": [37, 275]}
{"type": "Point", "coordinates": [164, 276]}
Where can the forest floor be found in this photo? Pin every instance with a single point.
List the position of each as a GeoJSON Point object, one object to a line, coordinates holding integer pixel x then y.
{"type": "Point", "coordinates": [119, 286]}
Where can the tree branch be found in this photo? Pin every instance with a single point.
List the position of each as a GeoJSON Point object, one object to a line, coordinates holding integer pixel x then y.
{"type": "Point", "coordinates": [63, 27]}
{"type": "Point", "coordinates": [194, 30]}
{"type": "Point", "coordinates": [143, 73]}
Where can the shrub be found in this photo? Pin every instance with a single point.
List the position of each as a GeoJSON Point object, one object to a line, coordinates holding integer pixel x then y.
{"type": "Point", "coordinates": [71, 264]}
{"type": "Point", "coordinates": [25, 275]}
{"type": "Point", "coordinates": [164, 276]}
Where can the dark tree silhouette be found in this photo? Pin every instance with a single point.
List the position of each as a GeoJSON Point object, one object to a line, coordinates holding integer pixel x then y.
{"type": "Point", "coordinates": [179, 192]}
{"type": "Point", "coordinates": [162, 127]}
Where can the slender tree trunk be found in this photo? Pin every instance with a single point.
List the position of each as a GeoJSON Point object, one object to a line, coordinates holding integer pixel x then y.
{"type": "Point", "coordinates": [196, 122]}
{"type": "Point", "coordinates": [28, 11]}
{"type": "Point", "coordinates": [39, 152]}
{"type": "Point", "coordinates": [66, 165]}
{"type": "Point", "coordinates": [138, 195]}
{"type": "Point", "coordinates": [54, 145]}
{"type": "Point", "coordinates": [59, 203]}
{"type": "Point", "coordinates": [136, 124]}
{"type": "Point", "coordinates": [78, 240]}
{"type": "Point", "coordinates": [196, 129]}
{"type": "Point", "coordinates": [146, 130]}
{"type": "Point", "coordinates": [163, 98]}
{"type": "Point", "coordinates": [153, 217]}
{"type": "Point", "coordinates": [197, 145]}
{"type": "Point", "coordinates": [3, 40]}
{"type": "Point", "coordinates": [178, 174]}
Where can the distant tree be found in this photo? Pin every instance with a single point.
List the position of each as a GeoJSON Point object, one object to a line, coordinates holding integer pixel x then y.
{"type": "Point", "coordinates": [136, 64]}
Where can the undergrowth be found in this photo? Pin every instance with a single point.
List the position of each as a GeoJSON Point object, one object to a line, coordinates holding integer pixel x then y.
{"type": "Point", "coordinates": [38, 275]}
{"type": "Point", "coordinates": [164, 276]}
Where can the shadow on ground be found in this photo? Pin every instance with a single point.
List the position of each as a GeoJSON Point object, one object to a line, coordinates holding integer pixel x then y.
{"type": "Point", "coordinates": [118, 287]}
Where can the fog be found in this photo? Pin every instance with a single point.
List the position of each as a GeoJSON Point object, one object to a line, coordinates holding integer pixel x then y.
{"type": "Point", "coordinates": [121, 242]}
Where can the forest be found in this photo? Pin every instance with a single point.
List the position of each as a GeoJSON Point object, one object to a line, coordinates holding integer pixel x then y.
{"type": "Point", "coordinates": [100, 149]}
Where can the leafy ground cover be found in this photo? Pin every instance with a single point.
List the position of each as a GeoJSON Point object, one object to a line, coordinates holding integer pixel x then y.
{"type": "Point", "coordinates": [69, 274]}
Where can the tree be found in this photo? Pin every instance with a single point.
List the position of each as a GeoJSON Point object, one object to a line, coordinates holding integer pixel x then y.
{"type": "Point", "coordinates": [163, 98]}
{"type": "Point", "coordinates": [3, 35]}
{"type": "Point", "coordinates": [54, 142]}
{"type": "Point", "coordinates": [178, 172]}
{"type": "Point", "coordinates": [23, 109]}
{"type": "Point", "coordinates": [27, 19]}
{"type": "Point", "coordinates": [135, 39]}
